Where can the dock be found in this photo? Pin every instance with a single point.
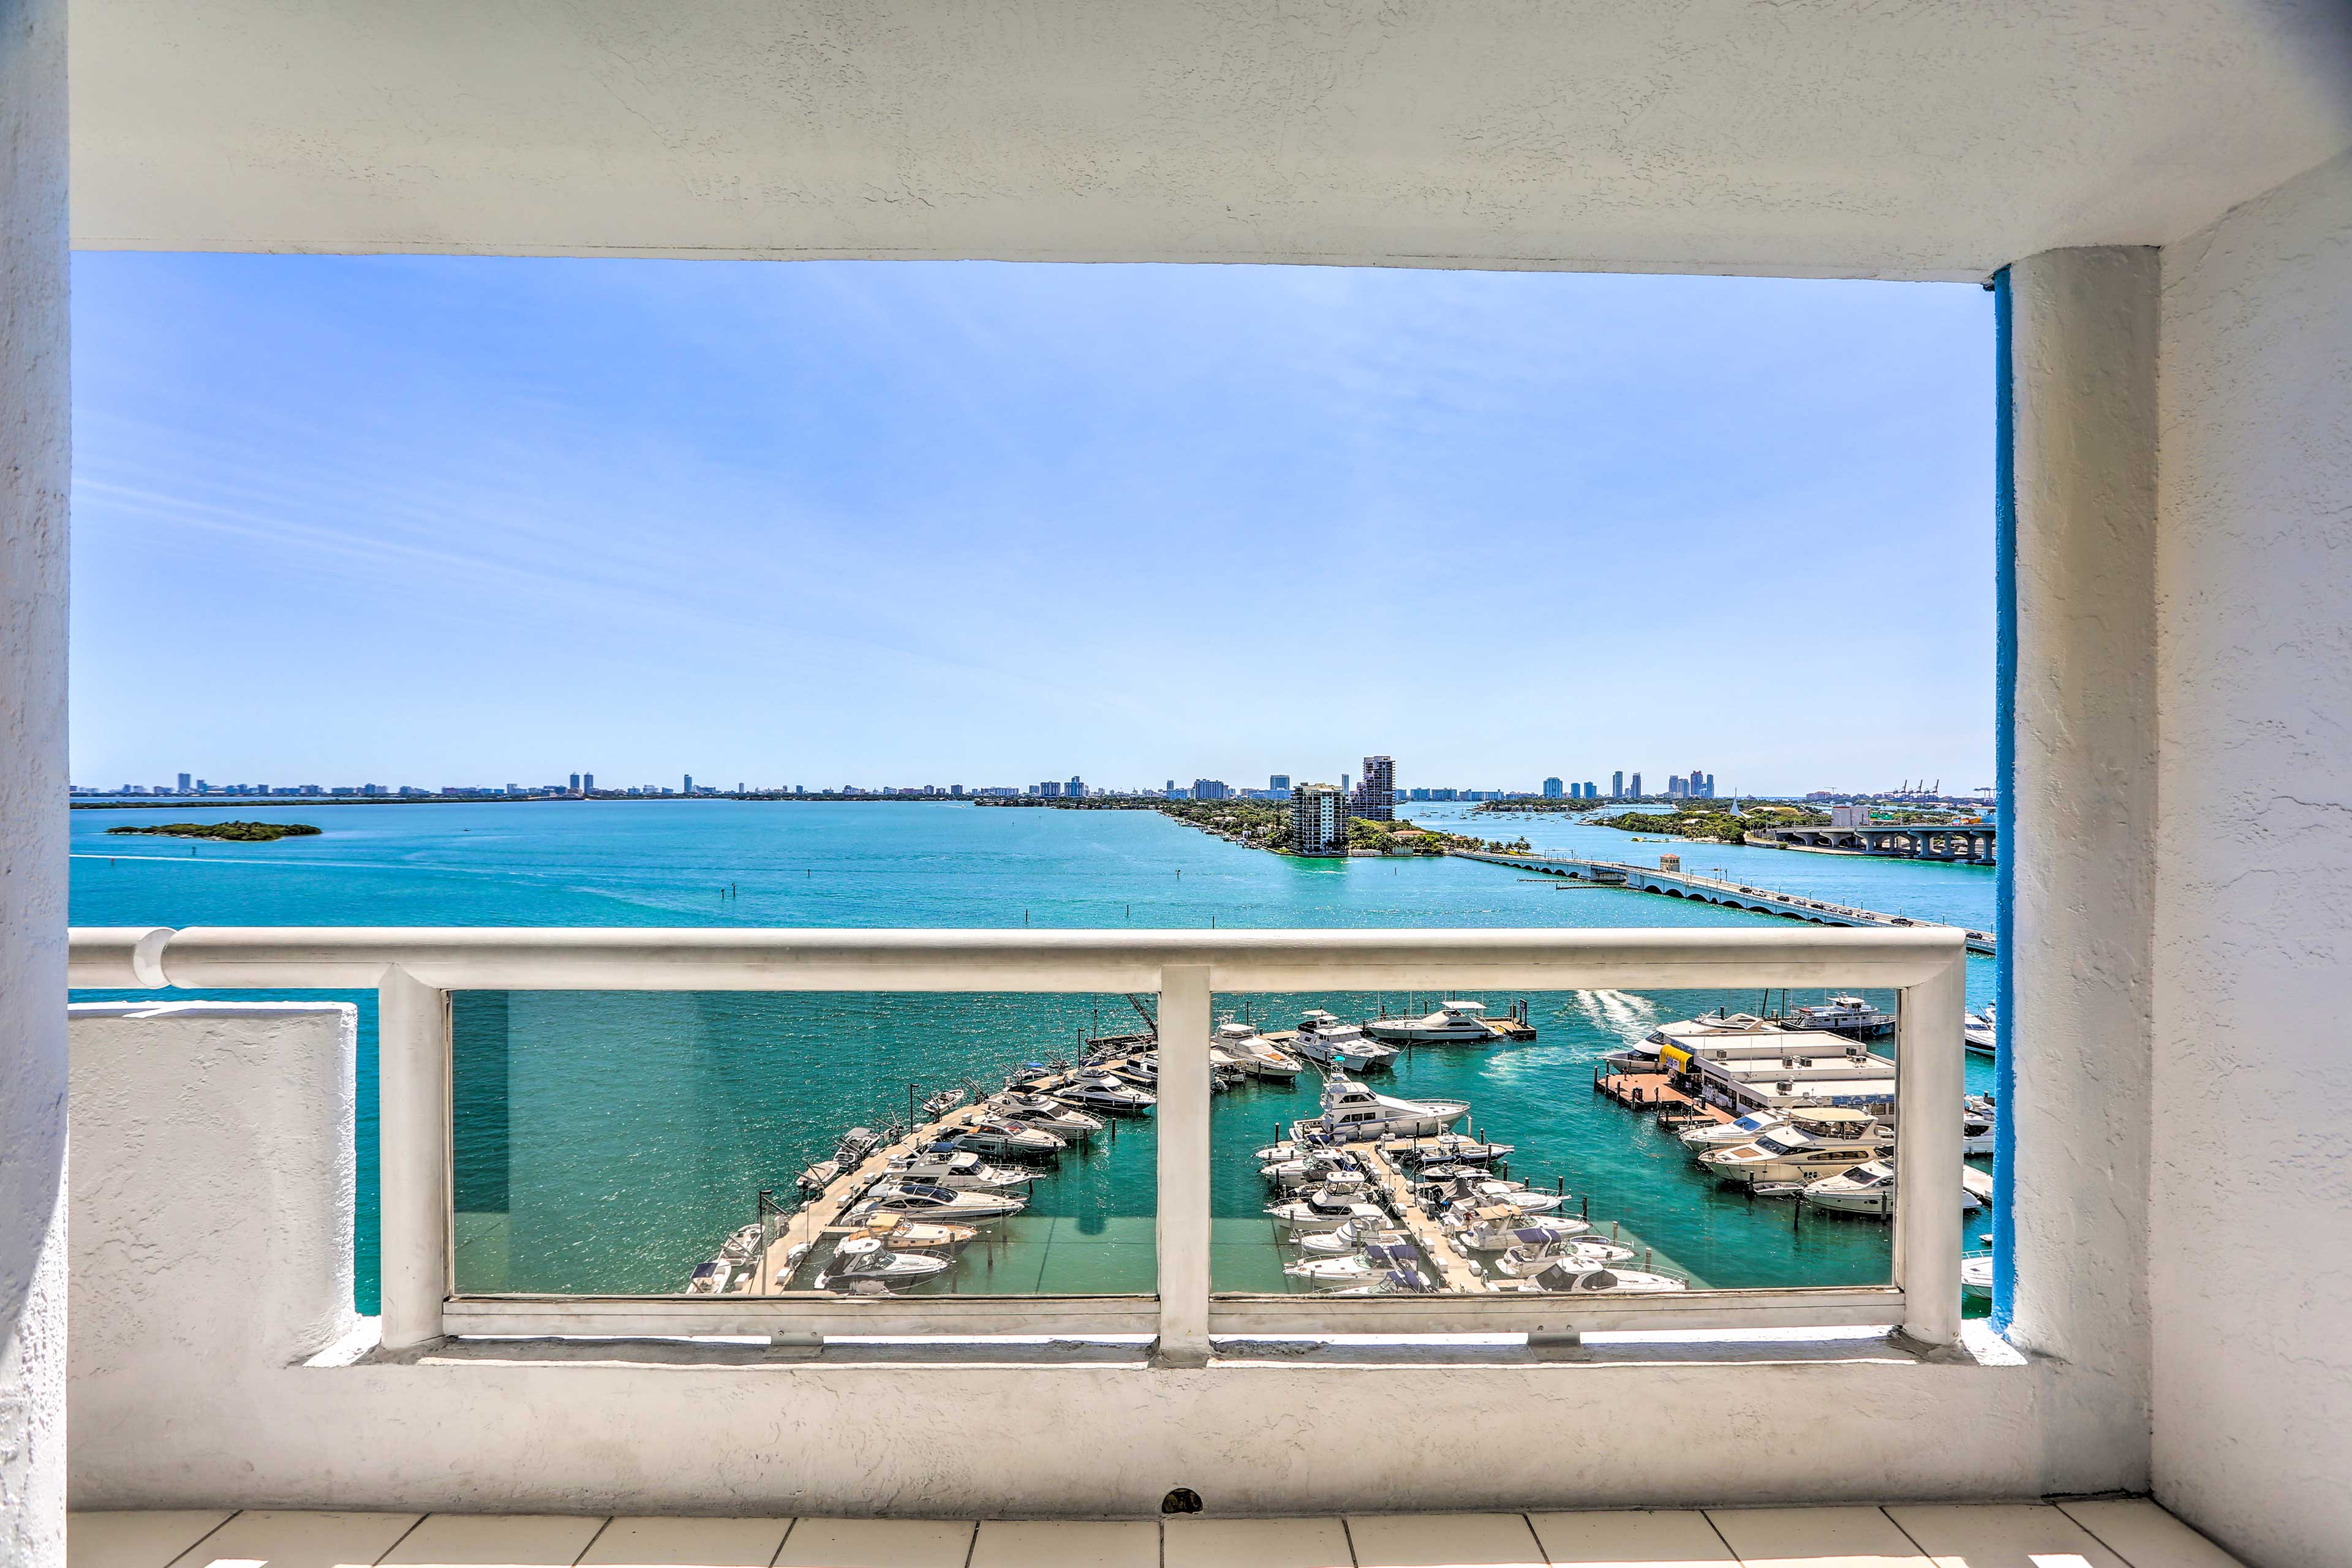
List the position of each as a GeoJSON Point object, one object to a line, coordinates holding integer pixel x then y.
{"type": "Point", "coordinates": [1453, 1271]}
{"type": "Point", "coordinates": [1713, 890]}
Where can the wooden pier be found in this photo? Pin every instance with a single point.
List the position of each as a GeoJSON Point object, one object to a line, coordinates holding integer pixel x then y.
{"type": "Point", "coordinates": [1453, 1271]}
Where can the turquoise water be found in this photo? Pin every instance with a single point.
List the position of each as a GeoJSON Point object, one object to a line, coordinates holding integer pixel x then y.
{"type": "Point", "coordinates": [634, 1130]}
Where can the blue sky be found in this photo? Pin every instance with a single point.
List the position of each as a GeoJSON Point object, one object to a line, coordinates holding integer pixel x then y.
{"type": "Point", "coordinates": [430, 520]}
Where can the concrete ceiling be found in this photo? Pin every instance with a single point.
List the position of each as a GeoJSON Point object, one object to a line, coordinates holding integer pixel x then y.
{"type": "Point", "coordinates": [1901, 138]}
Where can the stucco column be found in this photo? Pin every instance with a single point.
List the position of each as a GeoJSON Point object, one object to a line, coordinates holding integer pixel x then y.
{"type": "Point", "coordinates": [33, 415]}
{"type": "Point", "coordinates": [2079, 712]}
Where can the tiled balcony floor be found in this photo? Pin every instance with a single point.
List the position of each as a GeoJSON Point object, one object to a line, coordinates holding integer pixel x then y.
{"type": "Point", "coordinates": [2124, 1534]}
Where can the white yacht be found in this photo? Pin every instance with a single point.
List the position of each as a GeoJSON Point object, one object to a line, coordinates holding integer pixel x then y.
{"type": "Point", "coordinates": [1349, 1238]}
{"type": "Point", "coordinates": [1470, 1194]}
{"type": "Point", "coordinates": [1981, 1032]}
{"type": "Point", "coordinates": [1976, 1271]}
{"type": "Point", "coordinates": [1143, 1072]}
{"type": "Point", "coordinates": [1846, 1016]}
{"type": "Point", "coordinates": [1867, 1188]}
{"type": "Point", "coordinates": [1377, 1260]}
{"type": "Point", "coordinates": [1730, 1134]}
{"type": "Point", "coordinates": [1785, 1154]}
{"type": "Point", "coordinates": [1044, 1110]}
{"type": "Point", "coordinates": [923, 1201]}
{"type": "Point", "coordinates": [864, 1258]}
{"type": "Point", "coordinates": [1446, 1149]}
{"type": "Point", "coordinates": [1239, 1046]}
{"type": "Point", "coordinates": [1345, 1048]}
{"type": "Point", "coordinates": [946, 1166]}
{"type": "Point", "coordinates": [1977, 1126]}
{"type": "Point", "coordinates": [1324, 1209]}
{"type": "Point", "coordinates": [1453, 1022]}
{"type": "Point", "coordinates": [903, 1235]}
{"type": "Point", "coordinates": [1352, 1112]}
{"type": "Point", "coordinates": [1016, 1137]}
{"type": "Point", "coordinates": [1531, 1258]}
{"type": "Point", "coordinates": [1106, 1093]}
{"type": "Point", "coordinates": [1502, 1227]}
{"type": "Point", "coordinates": [1565, 1278]}
{"type": "Point", "coordinates": [1303, 1170]}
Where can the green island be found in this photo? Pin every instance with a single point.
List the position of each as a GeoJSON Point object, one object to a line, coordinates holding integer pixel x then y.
{"type": "Point", "coordinates": [1265, 824]}
{"type": "Point", "coordinates": [231, 832]}
{"type": "Point", "coordinates": [1706, 822]}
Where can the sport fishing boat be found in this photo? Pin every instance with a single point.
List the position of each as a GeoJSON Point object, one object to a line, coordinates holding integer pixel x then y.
{"type": "Point", "coordinates": [1981, 1032]}
{"type": "Point", "coordinates": [1352, 1112]}
{"type": "Point", "coordinates": [947, 1166]}
{"type": "Point", "coordinates": [1105, 1092]}
{"type": "Point", "coordinates": [1345, 1048]}
{"type": "Point", "coordinates": [1846, 1016]}
{"type": "Point", "coordinates": [1239, 1046]}
{"type": "Point", "coordinates": [1787, 1155]}
{"type": "Point", "coordinates": [1454, 1024]}
{"type": "Point", "coordinates": [922, 1200]}
{"type": "Point", "coordinates": [865, 1258]}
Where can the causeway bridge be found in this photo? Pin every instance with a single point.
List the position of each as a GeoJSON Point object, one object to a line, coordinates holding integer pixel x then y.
{"type": "Point", "coordinates": [1710, 889]}
{"type": "Point", "coordinates": [1970, 843]}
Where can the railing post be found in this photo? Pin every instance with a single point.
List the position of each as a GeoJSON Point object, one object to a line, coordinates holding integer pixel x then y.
{"type": "Point", "coordinates": [412, 1056]}
{"type": "Point", "coordinates": [1183, 1119]}
{"type": "Point", "coordinates": [1931, 1084]}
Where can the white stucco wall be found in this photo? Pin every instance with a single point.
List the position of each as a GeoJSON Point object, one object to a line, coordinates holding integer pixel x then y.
{"type": "Point", "coordinates": [2250, 1256]}
{"type": "Point", "coordinates": [2083, 400]}
{"type": "Point", "coordinates": [32, 466]}
{"type": "Point", "coordinates": [210, 1257]}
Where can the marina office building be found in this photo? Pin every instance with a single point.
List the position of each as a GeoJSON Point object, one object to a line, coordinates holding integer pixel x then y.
{"type": "Point", "coordinates": [2160, 197]}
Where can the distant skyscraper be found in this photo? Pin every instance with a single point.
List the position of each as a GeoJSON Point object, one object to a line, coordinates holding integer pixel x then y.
{"type": "Point", "coordinates": [575, 784]}
{"type": "Point", "coordinates": [1592, 790]}
{"type": "Point", "coordinates": [1278, 781]}
{"type": "Point", "coordinates": [1343, 784]}
{"type": "Point", "coordinates": [1376, 797]}
{"type": "Point", "coordinates": [1077, 788]}
{"type": "Point", "coordinates": [689, 786]}
{"type": "Point", "coordinates": [1551, 789]}
{"type": "Point", "coordinates": [183, 784]}
{"type": "Point", "coordinates": [1617, 785]}
{"type": "Point", "coordinates": [1635, 790]}
{"type": "Point", "coordinates": [587, 783]}
{"type": "Point", "coordinates": [1710, 786]}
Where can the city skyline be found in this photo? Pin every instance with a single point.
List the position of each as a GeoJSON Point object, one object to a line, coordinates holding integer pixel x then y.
{"type": "Point", "coordinates": [446, 517]}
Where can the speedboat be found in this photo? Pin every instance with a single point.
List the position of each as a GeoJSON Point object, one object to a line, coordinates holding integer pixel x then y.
{"type": "Point", "coordinates": [1529, 1259]}
{"type": "Point", "coordinates": [1015, 1138]}
{"type": "Point", "coordinates": [1785, 1154]}
{"type": "Point", "coordinates": [1106, 1093]}
{"type": "Point", "coordinates": [1447, 1148]}
{"type": "Point", "coordinates": [1240, 1047]}
{"type": "Point", "coordinates": [1977, 1126]}
{"type": "Point", "coordinates": [1501, 1227]}
{"type": "Point", "coordinates": [1867, 1188]}
{"type": "Point", "coordinates": [1377, 1260]}
{"type": "Point", "coordinates": [740, 1246]}
{"type": "Point", "coordinates": [1729, 1134]}
{"type": "Point", "coordinates": [1395, 1282]}
{"type": "Point", "coordinates": [709, 1278]}
{"type": "Point", "coordinates": [945, 1165]}
{"type": "Point", "coordinates": [1472, 1194]}
{"type": "Point", "coordinates": [903, 1235]}
{"type": "Point", "coordinates": [1845, 1015]}
{"type": "Point", "coordinates": [1304, 1171]}
{"type": "Point", "coordinates": [1352, 1112]}
{"type": "Point", "coordinates": [923, 1201]}
{"type": "Point", "coordinates": [1043, 1110]}
{"type": "Point", "coordinates": [817, 1177]}
{"type": "Point", "coordinates": [865, 1258]}
{"type": "Point", "coordinates": [855, 1145]}
{"type": "Point", "coordinates": [1324, 1209]}
{"type": "Point", "coordinates": [1981, 1032]}
{"type": "Point", "coordinates": [1569, 1277]}
{"type": "Point", "coordinates": [1453, 1022]}
{"type": "Point", "coordinates": [1350, 1237]}
{"type": "Point", "coordinates": [940, 1104]}
{"type": "Point", "coordinates": [1143, 1071]}
{"type": "Point", "coordinates": [1976, 1271]}
{"type": "Point", "coordinates": [1323, 1038]}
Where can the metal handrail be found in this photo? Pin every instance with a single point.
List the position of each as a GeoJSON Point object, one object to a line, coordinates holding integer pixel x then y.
{"type": "Point", "coordinates": [414, 969]}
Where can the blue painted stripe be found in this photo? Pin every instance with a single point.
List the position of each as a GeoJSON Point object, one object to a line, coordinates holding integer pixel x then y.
{"type": "Point", "coordinates": [2004, 757]}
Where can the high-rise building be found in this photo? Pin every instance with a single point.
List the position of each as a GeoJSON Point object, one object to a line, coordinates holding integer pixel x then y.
{"type": "Point", "coordinates": [587, 783]}
{"type": "Point", "coordinates": [1318, 821]}
{"type": "Point", "coordinates": [1551, 789]}
{"type": "Point", "coordinates": [1210, 789]}
{"type": "Point", "coordinates": [575, 784]}
{"type": "Point", "coordinates": [1617, 785]}
{"type": "Point", "coordinates": [1592, 790]}
{"type": "Point", "coordinates": [689, 786]}
{"type": "Point", "coordinates": [1710, 786]}
{"type": "Point", "coordinates": [1634, 788]}
{"type": "Point", "coordinates": [1277, 782]}
{"type": "Point", "coordinates": [183, 784]}
{"type": "Point", "coordinates": [1675, 786]}
{"type": "Point", "coordinates": [1077, 788]}
{"type": "Point", "coordinates": [1375, 798]}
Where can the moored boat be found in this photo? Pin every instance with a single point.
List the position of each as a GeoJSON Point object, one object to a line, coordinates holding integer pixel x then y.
{"type": "Point", "coordinates": [1453, 1022]}
{"type": "Point", "coordinates": [1352, 1112]}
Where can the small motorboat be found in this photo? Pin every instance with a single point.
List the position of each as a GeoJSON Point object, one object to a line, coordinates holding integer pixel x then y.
{"type": "Point", "coordinates": [1469, 1193]}
{"type": "Point", "coordinates": [1352, 1112]}
{"type": "Point", "coordinates": [1304, 1171]}
{"type": "Point", "coordinates": [923, 1201]}
{"type": "Point", "coordinates": [865, 1258]}
{"type": "Point", "coordinates": [1345, 1048]}
{"type": "Point", "coordinates": [1868, 1188]}
{"type": "Point", "coordinates": [818, 1177]}
{"type": "Point", "coordinates": [940, 1104]}
{"type": "Point", "coordinates": [1143, 1071]}
{"type": "Point", "coordinates": [1976, 1271]}
{"type": "Point", "coordinates": [1981, 1032]}
{"type": "Point", "coordinates": [1529, 1259]}
{"type": "Point", "coordinates": [1977, 1126]}
{"type": "Point", "coordinates": [1350, 1237]}
{"type": "Point", "coordinates": [855, 1145]}
{"type": "Point", "coordinates": [1377, 1260]}
{"type": "Point", "coordinates": [743, 1245]}
{"type": "Point", "coordinates": [709, 1278]}
{"type": "Point", "coordinates": [1447, 1148]}
{"type": "Point", "coordinates": [1453, 1022]}
{"type": "Point", "coordinates": [1015, 1138]}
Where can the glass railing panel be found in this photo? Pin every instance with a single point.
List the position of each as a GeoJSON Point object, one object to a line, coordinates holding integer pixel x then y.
{"type": "Point", "coordinates": [772, 1143]}
{"type": "Point", "coordinates": [1582, 1140]}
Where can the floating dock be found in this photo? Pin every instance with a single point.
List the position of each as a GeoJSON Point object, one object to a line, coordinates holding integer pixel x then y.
{"type": "Point", "coordinates": [1711, 890]}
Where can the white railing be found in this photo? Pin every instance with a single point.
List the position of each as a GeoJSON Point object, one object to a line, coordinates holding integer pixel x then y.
{"type": "Point", "coordinates": [413, 969]}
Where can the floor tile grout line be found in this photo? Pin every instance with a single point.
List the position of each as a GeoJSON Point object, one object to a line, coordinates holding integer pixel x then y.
{"type": "Point", "coordinates": [1708, 1515]}
{"type": "Point", "coordinates": [590, 1544]}
{"type": "Point", "coordinates": [972, 1544]}
{"type": "Point", "coordinates": [1543, 1552]}
{"type": "Point", "coordinates": [1350, 1537]}
{"type": "Point", "coordinates": [2084, 1526]}
{"type": "Point", "coordinates": [777, 1555]}
{"type": "Point", "coordinates": [1927, 1556]}
{"type": "Point", "coordinates": [223, 1524]}
{"type": "Point", "coordinates": [413, 1525]}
